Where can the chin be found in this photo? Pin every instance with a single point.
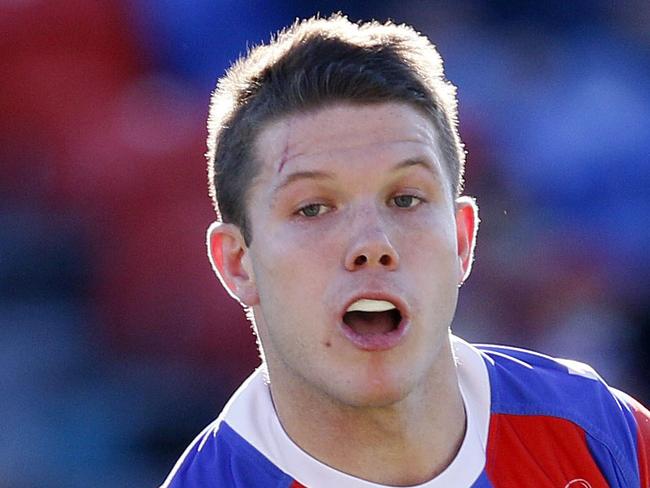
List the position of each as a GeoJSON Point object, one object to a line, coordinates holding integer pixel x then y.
{"type": "Point", "coordinates": [374, 399]}
{"type": "Point", "coordinates": [372, 394]}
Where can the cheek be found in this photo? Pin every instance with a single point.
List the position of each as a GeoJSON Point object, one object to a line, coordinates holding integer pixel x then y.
{"type": "Point", "coordinates": [306, 245]}
{"type": "Point", "coordinates": [291, 285]}
{"type": "Point", "coordinates": [295, 267]}
{"type": "Point", "coordinates": [429, 250]}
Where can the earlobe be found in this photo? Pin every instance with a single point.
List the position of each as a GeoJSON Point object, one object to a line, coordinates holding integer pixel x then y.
{"type": "Point", "coordinates": [230, 261]}
{"type": "Point", "coordinates": [466, 228]}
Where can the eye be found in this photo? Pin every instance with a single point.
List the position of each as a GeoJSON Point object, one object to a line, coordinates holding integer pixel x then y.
{"type": "Point", "coordinates": [406, 201]}
{"type": "Point", "coordinates": [313, 210]}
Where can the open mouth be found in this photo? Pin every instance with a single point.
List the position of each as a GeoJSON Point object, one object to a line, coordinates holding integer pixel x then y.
{"type": "Point", "coordinates": [373, 325]}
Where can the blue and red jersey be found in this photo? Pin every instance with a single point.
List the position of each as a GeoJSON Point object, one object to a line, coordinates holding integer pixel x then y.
{"type": "Point", "coordinates": [532, 421]}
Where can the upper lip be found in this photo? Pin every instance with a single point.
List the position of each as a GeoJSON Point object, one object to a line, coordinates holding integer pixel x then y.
{"type": "Point", "coordinates": [400, 304]}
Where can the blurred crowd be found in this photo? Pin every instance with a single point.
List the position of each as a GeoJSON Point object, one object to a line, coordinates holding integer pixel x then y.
{"type": "Point", "coordinates": [117, 343]}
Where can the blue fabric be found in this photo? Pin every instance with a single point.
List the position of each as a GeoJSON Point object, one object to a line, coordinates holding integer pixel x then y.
{"type": "Point", "coordinates": [527, 383]}
{"type": "Point", "coordinates": [221, 458]}
{"type": "Point", "coordinates": [521, 382]}
{"type": "Point", "coordinates": [483, 481]}
{"type": "Point", "coordinates": [603, 455]}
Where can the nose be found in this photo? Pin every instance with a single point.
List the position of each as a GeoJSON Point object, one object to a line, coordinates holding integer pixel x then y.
{"type": "Point", "coordinates": [371, 248]}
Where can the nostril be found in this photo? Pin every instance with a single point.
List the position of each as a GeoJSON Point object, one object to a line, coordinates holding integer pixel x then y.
{"type": "Point", "coordinates": [360, 260]}
{"type": "Point", "coordinates": [385, 260]}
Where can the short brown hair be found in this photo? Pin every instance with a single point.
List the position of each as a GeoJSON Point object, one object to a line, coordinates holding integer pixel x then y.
{"type": "Point", "coordinates": [314, 62]}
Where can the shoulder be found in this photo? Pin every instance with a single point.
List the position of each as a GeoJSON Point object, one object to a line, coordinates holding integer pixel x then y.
{"type": "Point", "coordinates": [545, 392]}
{"type": "Point", "coordinates": [222, 455]}
{"type": "Point", "coordinates": [642, 418]}
{"type": "Point", "coordinates": [523, 381]}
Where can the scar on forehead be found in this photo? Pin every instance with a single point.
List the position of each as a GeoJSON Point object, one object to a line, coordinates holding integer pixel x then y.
{"type": "Point", "coordinates": [285, 152]}
{"type": "Point", "coordinates": [285, 155]}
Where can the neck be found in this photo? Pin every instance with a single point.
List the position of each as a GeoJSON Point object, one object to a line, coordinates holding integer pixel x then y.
{"type": "Point", "coordinates": [405, 443]}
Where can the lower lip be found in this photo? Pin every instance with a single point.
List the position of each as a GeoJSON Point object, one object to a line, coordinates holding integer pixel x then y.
{"type": "Point", "coordinates": [376, 342]}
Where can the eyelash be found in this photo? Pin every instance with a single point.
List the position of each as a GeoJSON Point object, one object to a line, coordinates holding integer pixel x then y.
{"type": "Point", "coordinates": [322, 206]}
{"type": "Point", "coordinates": [301, 210]}
{"type": "Point", "coordinates": [415, 198]}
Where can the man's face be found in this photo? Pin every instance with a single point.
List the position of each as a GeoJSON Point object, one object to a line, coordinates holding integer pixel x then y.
{"type": "Point", "coordinates": [357, 253]}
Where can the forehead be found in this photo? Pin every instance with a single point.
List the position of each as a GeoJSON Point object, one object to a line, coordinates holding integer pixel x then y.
{"type": "Point", "coordinates": [346, 132]}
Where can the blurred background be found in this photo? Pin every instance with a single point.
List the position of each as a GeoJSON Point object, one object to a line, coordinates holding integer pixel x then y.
{"type": "Point", "coordinates": [118, 345]}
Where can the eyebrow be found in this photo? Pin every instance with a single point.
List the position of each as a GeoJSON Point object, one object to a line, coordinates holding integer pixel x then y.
{"type": "Point", "coordinates": [408, 163]}
{"type": "Point", "coordinates": [325, 175]}
{"type": "Point", "coordinates": [301, 175]}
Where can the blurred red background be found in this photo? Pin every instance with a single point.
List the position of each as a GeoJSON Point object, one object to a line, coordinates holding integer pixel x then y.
{"type": "Point", "coordinates": [118, 343]}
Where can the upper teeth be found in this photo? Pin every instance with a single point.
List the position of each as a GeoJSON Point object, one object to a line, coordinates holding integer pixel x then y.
{"type": "Point", "coordinates": [365, 305]}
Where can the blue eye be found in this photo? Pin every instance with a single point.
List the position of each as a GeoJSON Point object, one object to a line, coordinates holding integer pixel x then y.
{"type": "Point", "coordinates": [405, 201]}
{"type": "Point", "coordinates": [312, 210]}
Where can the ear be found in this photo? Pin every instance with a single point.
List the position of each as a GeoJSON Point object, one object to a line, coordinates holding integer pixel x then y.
{"type": "Point", "coordinates": [230, 260]}
{"type": "Point", "coordinates": [466, 228]}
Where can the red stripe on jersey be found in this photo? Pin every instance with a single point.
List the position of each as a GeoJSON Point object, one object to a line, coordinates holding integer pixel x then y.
{"type": "Point", "coordinates": [295, 484]}
{"type": "Point", "coordinates": [539, 451]}
{"type": "Point", "coordinates": [642, 417]}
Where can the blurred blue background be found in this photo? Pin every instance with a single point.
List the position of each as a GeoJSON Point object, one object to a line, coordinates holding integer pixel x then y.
{"type": "Point", "coordinates": [117, 344]}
